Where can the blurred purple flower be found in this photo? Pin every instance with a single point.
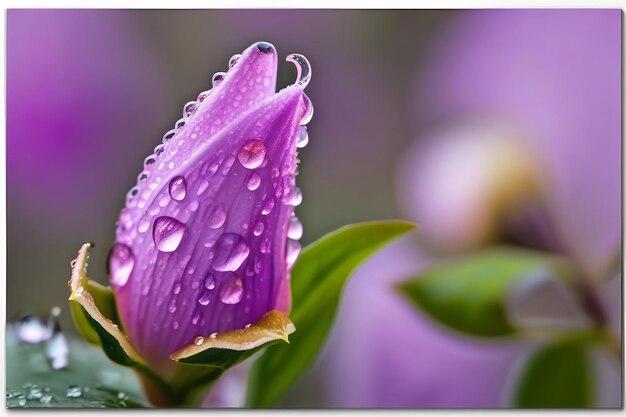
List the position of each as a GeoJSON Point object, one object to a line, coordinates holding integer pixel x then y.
{"type": "Point", "coordinates": [207, 237]}
{"type": "Point", "coordinates": [555, 75]}
{"type": "Point", "coordinates": [69, 98]}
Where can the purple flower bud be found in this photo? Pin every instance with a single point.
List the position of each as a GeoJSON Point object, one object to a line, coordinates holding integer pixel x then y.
{"type": "Point", "coordinates": [207, 237]}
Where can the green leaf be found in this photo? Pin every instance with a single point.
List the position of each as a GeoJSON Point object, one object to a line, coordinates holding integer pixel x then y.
{"type": "Point", "coordinates": [470, 294]}
{"type": "Point", "coordinates": [30, 381]}
{"type": "Point", "coordinates": [104, 299]}
{"type": "Point", "coordinates": [86, 308]}
{"type": "Point", "coordinates": [558, 375]}
{"type": "Point", "coordinates": [317, 281]}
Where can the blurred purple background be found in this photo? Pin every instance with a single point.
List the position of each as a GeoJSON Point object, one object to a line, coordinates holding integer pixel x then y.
{"type": "Point", "coordinates": [91, 92]}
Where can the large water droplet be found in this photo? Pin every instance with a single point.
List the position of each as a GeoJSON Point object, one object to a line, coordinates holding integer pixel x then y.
{"type": "Point", "coordinates": [295, 197]}
{"type": "Point", "coordinates": [230, 252]}
{"type": "Point", "coordinates": [295, 229]}
{"type": "Point", "coordinates": [167, 233]}
{"type": "Point", "coordinates": [254, 181]}
{"type": "Point", "coordinates": [231, 290]}
{"type": "Point", "coordinates": [293, 250]}
{"type": "Point", "coordinates": [252, 154]}
{"type": "Point", "coordinates": [303, 67]}
{"type": "Point", "coordinates": [178, 188]}
{"type": "Point", "coordinates": [217, 217]}
{"type": "Point", "coordinates": [303, 137]}
{"type": "Point", "coordinates": [121, 262]}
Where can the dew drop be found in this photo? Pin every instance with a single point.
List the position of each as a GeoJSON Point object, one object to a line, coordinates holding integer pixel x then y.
{"type": "Point", "coordinates": [252, 154]}
{"type": "Point", "coordinates": [190, 108]}
{"type": "Point", "coordinates": [308, 113]}
{"type": "Point", "coordinates": [202, 187]}
{"type": "Point", "coordinates": [32, 330]}
{"type": "Point", "coordinates": [267, 208]}
{"type": "Point", "coordinates": [205, 298]}
{"type": "Point", "coordinates": [203, 95]}
{"type": "Point", "coordinates": [180, 123]}
{"type": "Point", "coordinates": [231, 290]}
{"type": "Point", "coordinates": [158, 151]}
{"type": "Point", "coordinates": [195, 319]}
{"type": "Point", "coordinates": [295, 229]}
{"type": "Point", "coordinates": [178, 188]}
{"type": "Point", "coordinates": [233, 60]}
{"type": "Point", "coordinates": [231, 251]}
{"type": "Point", "coordinates": [217, 217]}
{"type": "Point", "coordinates": [169, 135]}
{"type": "Point", "coordinates": [293, 250]}
{"type": "Point", "coordinates": [295, 197]}
{"type": "Point", "coordinates": [198, 340]}
{"type": "Point", "coordinates": [74, 391]}
{"type": "Point", "coordinates": [265, 246]}
{"type": "Point", "coordinates": [193, 206]}
{"type": "Point", "coordinates": [303, 137]}
{"type": "Point", "coordinates": [258, 229]}
{"type": "Point", "coordinates": [218, 77]}
{"type": "Point", "coordinates": [121, 262]}
{"type": "Point", "coordinates": [254, 181]}
{"type": "Point", "coordinates": [167, 233]}
{"type": "Point", "coordinates": [177, 288]}
{"type": "Point", "coordinates": [209, 281]}
{"type": "Point", "coordinates": [303, 67]}
{"type": "Point", "coordinates": [213, 335]}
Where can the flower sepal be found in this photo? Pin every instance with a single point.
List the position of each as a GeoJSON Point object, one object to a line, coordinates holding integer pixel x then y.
{"type": "Point", "coordinates": [197, 366]}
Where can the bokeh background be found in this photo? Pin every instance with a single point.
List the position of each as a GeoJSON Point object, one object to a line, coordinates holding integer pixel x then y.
{"type": "Point", "coordinates": [454, 119]}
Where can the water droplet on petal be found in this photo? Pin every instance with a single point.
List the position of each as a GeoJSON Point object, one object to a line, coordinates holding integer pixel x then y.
{"type": "Point", "coordinates": [308, 114]}
{"type": "Point", "coordinates": [218, 77]}
{"type": "Point", "coordinates": [178, 188]}
{"type": "Point", "coordinates": [203, 95]}
{"type": "Point", "coordinates": [217, 217]}
{"type": "Point", "coordinates": [202, 187]}
{"type": "Point", "coordinates": [267, 208]}
{"type": "Point", "coordinates": [295, 229]}
{"type": "Point", "coordinates": [231, 290]}
{"type": "Point", "coordinates": [258, 229]}
{"type": "Point", "coordinates": [293, 250]}
{"type": "Point", "coordinates": [303, 137]}
{"type": "Point", "coordinates": [213, 335]}
{"type": "Point", "coordinates": [180, 123]}
{"type": "Point", "coordinates": [196, 318]}
{"type": "Point", "coordinates": [231, 251]}
{"type": "Point", "coordinates": [169, 135]}
{"type": "Point", "coordinates": [198, 340]}
{"type": "Point", "coordinates": [205, 298]}
{"type": "Point", "coordinates": [177, 288]}
{"type": "Point", "coordinates": [233, 60]}
{"type": "Point", "coordinates": [252, 154]}
{"type": "Point", "coordinates": [121, 262]}
{"type": "Point", "coordinates": [254, 181]}
{"type": "Point", "coordinates": [167, 233]}
{"type": "Point", "coordinates": [190, 108]}
{"type": "Point", "coordinates": [295, 197]}
{"type": "Point", "coordinates": [209, 281]}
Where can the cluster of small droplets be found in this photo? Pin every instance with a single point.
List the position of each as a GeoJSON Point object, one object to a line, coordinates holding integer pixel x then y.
{"type": "Point", "coordinates": [188, 110]}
